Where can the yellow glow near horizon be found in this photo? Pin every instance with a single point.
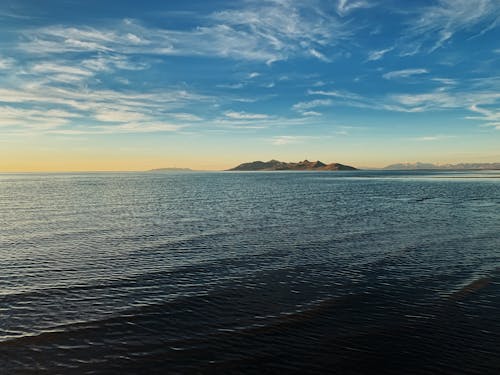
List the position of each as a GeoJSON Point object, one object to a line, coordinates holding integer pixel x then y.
{"type": "Point", "coordinates": [132, 154]}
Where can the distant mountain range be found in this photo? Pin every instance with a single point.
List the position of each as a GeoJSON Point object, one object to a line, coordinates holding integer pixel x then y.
{"type": "Point", "coordinates": [306, 165]}
{"type": "Point", "coordinates": [465, 166]}
{"type": "Point", "coordinates": [171, 170]}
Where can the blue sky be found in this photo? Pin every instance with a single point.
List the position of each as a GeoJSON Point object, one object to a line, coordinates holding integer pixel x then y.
{"type": "Point", "coordinates": [207, 84]}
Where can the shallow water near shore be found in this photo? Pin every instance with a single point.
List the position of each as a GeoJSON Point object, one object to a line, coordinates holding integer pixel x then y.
{"type": "Point", "coordinates": [275, 272]}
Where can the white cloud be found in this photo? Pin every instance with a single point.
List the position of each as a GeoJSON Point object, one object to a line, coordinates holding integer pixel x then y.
{"type": "Point", "coordinates": [483, 99]}
{"type": "Point", "coordinates": [347, 98]}
{"type": "Point", "coordinates": [334, 93]}
{"type": "Point", "coordinates": [378, 54]}
{"type": "Point", "coordinates": [267, 32]}
{"type": "Point", "coordinates": [303, 106]}
{"type": "Point", "coordinates": [319, 84]}
{"type": "Point", "coordinates": [134, 38]}
{"type": "Point", "coordinates": [143, 127]}
{"type": "Point", "coordinates": [147, 127]}
{"type": "Point", "coordinates": [49, 68]}
{"type": "Point", "coordinates": [318, 55]}
{"type": "Point", "coordinates": [78, 72]}
{"type": "Point", "coordinates": [94, 100]}
{"type": "Point", "coordinates": [445, 81]}
{"type": "Point", "coordinates": [110, 115]}
{"type": "Point", "coordinates": [238, 85]}
{"type": "Point", "coordinates": [108, 63]}
{"type": "Point", "coordinates": [37, 119]}
{"type": "Point", "coordinates": [285, 140]}
{"type": "Point", "coordinates": [311, 113]}
{"type": "Point", "coordinates": [344, 7]}
{"type": "Point", "coordinates": [245, 115]}
{"type": "Point", "coordinates": [6, 63]}
{"type": "Point", "coordinates": [186, 117]}
{"type": "Point", "coordinates": [433, 138]}
{"type": "Point", "coordinates": [483, 103]}
{"type": "Point", "coordinates": [422, 102]}
{"type": "Point", "coordinates": [490, 117]}
{"type": "Point", "coordinates": [251, 123]}
{"type": "Point", "coordinates": [55, 107]}
{"type": "Point", "coordinates": [405, 73]}
{"type": "Point", "coordinates": [436, 24]}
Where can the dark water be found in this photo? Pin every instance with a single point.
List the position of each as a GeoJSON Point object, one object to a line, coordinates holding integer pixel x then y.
{"type": "Point", "coordinates": [343, 272]}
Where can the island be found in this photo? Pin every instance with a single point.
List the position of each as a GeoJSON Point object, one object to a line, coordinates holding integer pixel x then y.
{"type": "Point", "coordinates": [306, 165]}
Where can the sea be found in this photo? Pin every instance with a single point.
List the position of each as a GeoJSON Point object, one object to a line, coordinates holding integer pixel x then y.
{"type": "Point", "coordinates": [363, 272]}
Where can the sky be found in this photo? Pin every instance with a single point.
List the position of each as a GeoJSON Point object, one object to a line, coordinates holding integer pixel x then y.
{"type": "Point", "coordinates": [136, 85]}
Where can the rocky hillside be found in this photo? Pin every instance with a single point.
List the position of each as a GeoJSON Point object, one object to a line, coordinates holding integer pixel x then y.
{"type": "Point", "coordinates": [306, 165]}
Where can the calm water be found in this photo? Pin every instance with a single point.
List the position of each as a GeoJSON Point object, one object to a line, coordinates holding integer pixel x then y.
{"type": "Point", "coordinates": [343, 272]}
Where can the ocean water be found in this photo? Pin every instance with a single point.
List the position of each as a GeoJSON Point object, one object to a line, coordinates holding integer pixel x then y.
{"type": "Point", "coordinates": [272, 272]}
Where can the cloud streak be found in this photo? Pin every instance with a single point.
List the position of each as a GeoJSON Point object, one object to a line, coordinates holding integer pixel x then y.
{"type": "Point", "coordinates": [6, 63]}
{"type": "Point", "coordinates": [378, 54]}
{"type": "Point", "coordinates": [435, 25]}
{"type": "Point", "coordinates": [267, 32]}
{"type": "Point", "coordinates": [283, 140]}
{"type": "Point", "coordinates": [404, 73]}
{"type": "Point", "coordinates": [305, 107]}
{"type": "Point", "coordinates": [245, 115]}
{"type": "Point", "coordinates": [56, 107]}
{"type": "Point", "coordinates": [344, 7]}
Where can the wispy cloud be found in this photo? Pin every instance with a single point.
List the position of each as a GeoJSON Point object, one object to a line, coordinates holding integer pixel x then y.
{"type": "Point", "coordinates": [484, 103]}
{"type": "Point", "coordinates": [54, 68]}
{"type": "Point", "coordinates": [186, 117]}
{"type": "Point", "coordinates": [344, 7]}
{"type": "Point", "coordinates": [245, 115]}
{"type": "Point", "coordinates": [491, 117]}
{"type": "Point", "coordinates": [445, 81]}
{"type": "Point", "coordinates": [433, 138]}
{"type": "Point", "coordinates": [436, 24]}
{"type": "Point", "coordinates": [41, 107]}
{"type": "Point", "coordinates": [285, 28]}
{"type": "Point", "coordinates": [346, 98]}
{"type": "Point", "coordinates": [268, 32]}
{"type": "Point", "coordinates": [234, 86]}
{"type": "Point", "coordinates": [35, 119]}
{"type": "Point", "coordinates": [318, 55]}
{"type": "Point", "coordinates": [111, 115]}
{"type": "Point", "coordinates": [130, 127]}
{"type": "Point", "coordinates": [274, 122]}
{"type": "Point", "coordinates": [404, 73]}
{"type": "Point", "coordinates": [6, 63]}
{"type": "Point", "coordinates": [109, 63]}
{"type": "Point", "coordinates": [334, 93]}
{"type": "Point", "coordinates": [434, 100]}
{"type": "Point", "coordinates": [282, 140]}
{"type": "Point", "coordinates": [304, 107]}
{"type": "Point", "coordinates": [311, 113]}
{"type": "Point", "coordinates": [378, 54]}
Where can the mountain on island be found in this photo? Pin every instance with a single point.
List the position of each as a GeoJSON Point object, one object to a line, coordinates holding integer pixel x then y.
{"type": "Point", "coordinates": [461, 166]}
{"type": "Point", "coordinates": [171, 170]}
{"type": "Point", "coordinates": [306, 165]}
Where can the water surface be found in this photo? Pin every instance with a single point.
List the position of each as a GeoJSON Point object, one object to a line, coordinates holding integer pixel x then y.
{"type": "Point", "coordinates": [345, 272]}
